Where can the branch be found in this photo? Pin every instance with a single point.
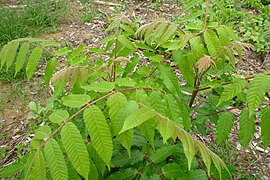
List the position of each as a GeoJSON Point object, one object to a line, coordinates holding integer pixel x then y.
{"type": "Point", "coordinates": [88, 105]}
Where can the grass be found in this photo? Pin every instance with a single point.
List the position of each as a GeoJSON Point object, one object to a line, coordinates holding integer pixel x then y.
{"type": "Point", "coordinates": [29, 17]}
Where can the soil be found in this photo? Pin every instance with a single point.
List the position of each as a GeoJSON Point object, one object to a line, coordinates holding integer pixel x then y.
{"type": "Point", "coordinates": [14, 123]}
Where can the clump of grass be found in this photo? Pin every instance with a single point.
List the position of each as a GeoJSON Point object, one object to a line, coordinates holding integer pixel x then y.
{"type": "Point", "coordinates": [29, 18]}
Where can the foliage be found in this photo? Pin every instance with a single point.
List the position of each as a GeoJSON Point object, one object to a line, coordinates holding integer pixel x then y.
{"type": "Point", "coordinates": [249, 18]}
{"type": "Point", "coordinates": [119, 111]}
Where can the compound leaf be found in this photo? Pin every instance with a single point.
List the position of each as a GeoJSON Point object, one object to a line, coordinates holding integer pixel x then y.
{"type": "Point", "coordinates": [42, 132]}
{"type": "Point", "coordinates": [58, 116]}
{"type": "Point", "coordinates": [100, 133]}
{"type": "Point", "coordinates": [212, 43]}
{"type": "Point", "coordinates": [115, 102]}
{"type": "Point", "coordinates": [33, 61]}
{"type": "Point", "coordinates": [169, 79]}
{"type": "Point", "coordinates": [224, 126]}
{"type": "Point", "coordinates": [173, 171]}
{"type": "Point", "coordinates": [257, 89]}
{"type": "Point", "coordinates": [126, 42]}
{"type": "Point", "coordinates": [21, 57]}
{"type": "Point", "coordinates": [100, 86]}
{"type": "Point", "coordinates": [51, 66]}
{"type": "Point", "coordinates": [76, 100]}
{"type": "Point", "coordinates": [8, 53]}
{"type": "Point", "coordinates": [232, 90]}
{"type": "Point", "coordinates": [55, 160]}
{"type": "Point", "coordinates": [128, 173]}
{"type": "Point", "coordinates": [247, 127]}
{"type": "Point", "coordinates": [162, 153]}
{"type": "Point", "coordinates": [188, 145]}
{"type": "Point", "coordinates": [12, 169]}
{"type": "Point", "coordinates": [265, 125]}
{"type": "Point", "coordinates": [39, 170]}
{"type": "Point", "coordinates": [75, 149]}
{"type": "Point", "coordinates": [137, 118]}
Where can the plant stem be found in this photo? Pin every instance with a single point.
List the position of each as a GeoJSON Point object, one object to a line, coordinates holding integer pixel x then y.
{"type": "Point", "coordinates": [206, 13]}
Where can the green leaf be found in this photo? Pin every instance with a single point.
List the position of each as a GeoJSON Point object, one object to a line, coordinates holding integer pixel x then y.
{"type": "Point", "coordinates": [167, 129]}
{"type": "Point", "coordinates": [232, 34]}
{"type": "Point", "coordinates": [51, 66]}
{"type": "Point", "coordinates": [191, 16]}
{"type": "Point", "coordinates": [33, 61]}
{"type": "Point", "coordinates": [12, 169]}
{"type": "Point", "coordinates": [148, 130]}
{"type": "Point", "coordinates": [35, 143]}
{"type": "Point", "coordinates": [123, 159]}
{"type": "Point", "coordinates": [42, 132]}
{"type": "Point", "coordinates": [29, 165]}
{"type": "Point", "coordinates": [223, 36]}
{"type": "Point", "coordinates": [59, 116]}
{"type": "Point", "coordinates": [212, 43]}
{"type": "Point", "coordinates": [219, 164]}
{"type": "Point", "coordinates": [170, 31]}
{"type": "Point", "coordinates": [93, 174]}
{"type": "Point", "coordinates": [9, 53]}
{"type": "Point", "coordinates": [77, 51]}
{"type": "Point", "coordinates": [100, 86]}
{"type": "Point", "coordinates": [76, 100]}
{"type": "Point", "coordinates": [75, 149]}
{"type": "Point", "coordinates": [126, 42]}
{"type": "Point", "coordinates": [72, 173]}
{"type": "Point", "coordinates": [157, 102]}
{"type": "Point", "coordinates": [224, 126]}
{"type": "Point", "coordinates": [117, 121]}
{"type": "Point", "coordinates": [99, 163]}
{"type": "Point", "coordinates": [197, 175]}
{"type": "Point", "coordinates": [265, 125]}
{"type": "Point", "coordinates": [97, 50]}
{"type": "Point", "coordinates": [115, 102]}
{"type": "Point", "coordinates": [55, 160]}
{"type": "Point", "coordinates": [33, 106]}
{"type": "Point", "coordinates": [189, 5]}
{"type": "Point", "coordinates": [205, 155]}
{"type": "Point", "coordinates": [257, 89]}
{"type": "Point", "coordinates": [131, 65]}
{"type": "Point", "coordinates": [162, 154]}
{"type": "Point", "coordinates": [188, 145]}
{"type": "Point", "coordinates": [126, 82]}
{"type": "Point", "coordinates": [197, 47]}
{"type": "Point", "coordinates": [247, 127]}
{"type": "Point", "coordinates": [184, 113]}
{"type": "Point", "coordinates": [137, 118]}
{"type": "Point", "coordinates": [173, 171]}
{"type": "Point", "coordinates": [169, 79]}
{"type": "Point", "coordinates": [185, 64]}
{"type": "Point", "coordinates": [173, 111]}
{"type": "Point", "coordinates": [21, 57]}
{"type": "Point", "coordinates": [99, 132]}
{"type": "Point", "coordinates": [39, 170]}
{"type": "Point", "coordinates": [128, 173]}
{"type": "Point", "coordinates": [232, 90]}
{"type": "Point", "coordinates": [126, 139]}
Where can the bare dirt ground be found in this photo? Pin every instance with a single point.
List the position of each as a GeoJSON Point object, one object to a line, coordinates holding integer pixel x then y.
{"type": "Point", "coordinates": [13, 107]}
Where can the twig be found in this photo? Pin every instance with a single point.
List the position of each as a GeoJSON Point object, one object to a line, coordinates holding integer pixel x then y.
{"type": "Point", "coordinates": [206, 13]}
